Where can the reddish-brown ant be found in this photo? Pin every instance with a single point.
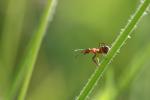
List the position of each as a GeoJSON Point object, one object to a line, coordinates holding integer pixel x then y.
{"type": "Point", "coordinates": [102, 49]}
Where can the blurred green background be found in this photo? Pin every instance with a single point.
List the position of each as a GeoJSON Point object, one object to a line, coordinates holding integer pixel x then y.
{"type": "Point", "coordinates": [58, 74]}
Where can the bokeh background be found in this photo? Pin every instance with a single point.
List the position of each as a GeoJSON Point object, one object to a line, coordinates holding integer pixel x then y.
{"type": "Point", "coordinates": [59, 74]}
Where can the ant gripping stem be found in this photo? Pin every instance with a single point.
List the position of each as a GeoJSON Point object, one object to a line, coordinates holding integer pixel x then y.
{"type": "Point", "coordinates": [102, 49]}
{"type": "Point", "coordinates": [95, 59]}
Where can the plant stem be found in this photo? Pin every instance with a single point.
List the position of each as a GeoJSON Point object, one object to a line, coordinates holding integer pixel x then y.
{"type": "Point", "coordinates": [10, 39]}
{"type": "Point", "coordinates": [118, 43]}
{"type": "Point", "coordinates": [126, 79]}
{"type": "Point", "coordinates": [27, 63]}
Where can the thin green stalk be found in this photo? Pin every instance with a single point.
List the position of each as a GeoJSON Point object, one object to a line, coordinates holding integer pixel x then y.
{"type": "Point", "coordinates": [126, 79]}
{"type": "Point", "coordinates": [27, 64]}
{"type": "Point", "coordinates": [11, 32]}
{"type": "Point", "coordinates": [10, 39]}
{"type": "Point", "coordinates": [118, 43]}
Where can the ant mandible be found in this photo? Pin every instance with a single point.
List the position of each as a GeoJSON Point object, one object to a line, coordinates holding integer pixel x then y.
{"type": "Point", "coordinates": [102, 49]}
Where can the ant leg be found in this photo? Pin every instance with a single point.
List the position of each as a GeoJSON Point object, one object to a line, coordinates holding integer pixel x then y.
{"type": "Point", "coordinates": [101, 44]}
{"type": "Point", "coordinates": [97, 61]}
{"type": "Point", "coordinates": [94, 59]}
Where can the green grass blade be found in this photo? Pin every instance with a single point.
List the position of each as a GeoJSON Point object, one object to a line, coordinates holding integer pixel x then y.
{"type": "Point", "coordinates": [10, 39]}
{"type": "Point", "coordinates": [27, 63]}
{"type": "Point", "coordinates": [12, 28]}
{"type": "Point", "coordinates": [120, 40]}
{"type": "Point", "coordinates": [126, 79]}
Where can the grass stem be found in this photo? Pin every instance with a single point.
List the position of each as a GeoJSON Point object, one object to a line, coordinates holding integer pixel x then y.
{"type": "Point", "coordinates": [118, 43]}
{"type": "Point", "coordinates": [27, 63]}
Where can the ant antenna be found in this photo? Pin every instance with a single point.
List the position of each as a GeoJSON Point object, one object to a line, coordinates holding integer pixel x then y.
{"type": "Point", "coordinates": [79, 53]}
{"type": "Point", "coordinates": [76, 50]}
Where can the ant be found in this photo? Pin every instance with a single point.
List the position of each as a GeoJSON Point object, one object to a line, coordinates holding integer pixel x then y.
{"type": "Point", "coordinates": [102, 49]}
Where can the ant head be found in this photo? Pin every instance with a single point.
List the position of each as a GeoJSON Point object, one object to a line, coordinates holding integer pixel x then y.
{"type": "Point", "coordinates": [105, 49]}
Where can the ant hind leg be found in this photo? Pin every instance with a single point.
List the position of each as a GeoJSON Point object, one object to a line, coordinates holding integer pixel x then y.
{"type": "Point", "coordinates": [95, 60]}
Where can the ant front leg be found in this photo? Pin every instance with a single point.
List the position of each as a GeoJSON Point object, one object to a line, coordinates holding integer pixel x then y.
{"type": "Point", "coordinates": [101, 44]}
{"type": "Point", "coordinates": [95, 59]}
